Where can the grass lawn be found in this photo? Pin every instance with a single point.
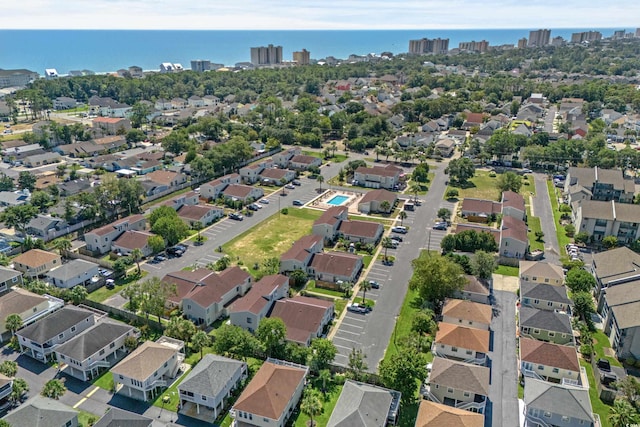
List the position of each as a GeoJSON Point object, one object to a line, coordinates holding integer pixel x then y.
{"type": "Point", "coordinates": [101, 294]}
{"type": "Point", "coordinates": [506, 270]}
{"type": "Point", "coordinates": [329, 402]}
{"type": "Point", "coordinates": [533, 223]}
{"type": "Point", "coordinates": [481, 186]}
{"type": "Point", "coordinates": [311, 286]}
{"type": "Point", "coordinates": [563, 239]}
{"type": "Point", "coordinates": [86, 419]}
{"type": "Point", "coordinates": [368, 302]}
{"type": "Point", "coordinates": [520, 390]}
{"type": "Point", "coordinates": [340, 305]}
{"type": "Point", "coordinates": [104, 381]}
{"type": "Point", "coordinates": [170, 398]}
{"type": "Point", "coordinates": [598, 406]}
{"type": "Point", "coordinates": [335, 159]}
{"type": "Point", "coordinates": [366, 260]}
{"type": "Point", "coordinates": [271, 237]}
{"type": "Point", "coordinates": [600, 342]}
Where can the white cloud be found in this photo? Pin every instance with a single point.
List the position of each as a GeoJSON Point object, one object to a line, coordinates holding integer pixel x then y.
{"type": "Point", "coordinates": [315, 14]}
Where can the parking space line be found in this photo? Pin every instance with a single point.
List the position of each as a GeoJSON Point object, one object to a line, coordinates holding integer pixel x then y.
{"type": "Point", "coordinates": [347, 324]}
{"type": "Point", "coordinates": [354, 318]}
{"type": "Point", "coordinates": [349, 332]}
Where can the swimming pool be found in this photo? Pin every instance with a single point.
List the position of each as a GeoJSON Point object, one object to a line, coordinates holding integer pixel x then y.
{"type": "Point", "coordinates": [337, 200]}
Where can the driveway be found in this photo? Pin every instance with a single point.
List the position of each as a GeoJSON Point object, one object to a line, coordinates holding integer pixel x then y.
{"type": "Point", "coordinates": [542, 209]}
{"type": "Point", "coordinates": [503, 390]}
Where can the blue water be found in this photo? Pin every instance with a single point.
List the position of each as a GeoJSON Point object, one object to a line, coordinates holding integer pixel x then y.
{"type": "Point", "coordinates": [110, 50]}
{"type": "Point", "coordinates": [337, 200]}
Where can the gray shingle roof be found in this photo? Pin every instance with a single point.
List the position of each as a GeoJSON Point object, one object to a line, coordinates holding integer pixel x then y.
{"type": "Point", "coordinates": [460, 376]}
{"type": "Point", "coordinates": [211, 375]}
{"type": "Point", "coordinates": [71, 269]}
{"type": "Point", "coordinates": [41, 412]}
{"type": "Point", "coordinates": [546, 320]}
{"type": "Point", "coordinates": [544, 292]}
{"type": "Point", "coordinates": [562, 400]}
{"type": "Point", "coordinates": [93, 339]}
{"type": "Point", "coordinates": [118, 418]}
{"type": "Point", "coordinates": [617, 265]}
{"type": "Point", "coordinates": [361, 405]}
{"type": "Point", "coordinates": [6, 274]}
{"type": "Point", "coordinates": [45, 329]}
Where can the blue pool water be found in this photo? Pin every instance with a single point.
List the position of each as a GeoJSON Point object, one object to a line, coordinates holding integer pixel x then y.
{"type": "Point", "coordinates": [337, 200]}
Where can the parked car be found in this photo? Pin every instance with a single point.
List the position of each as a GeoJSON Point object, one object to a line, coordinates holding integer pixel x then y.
{"type": "Point", "coordinates": [264, 201]}
{"type": "Point", "coordinates": [236, 216]}
{"type": "Point", "coordinates": [399, 229]}
{"type": "Point", "coordinates": [440, 226]}
{"type": "Point", "coordinates": [159, 258]}
{"type": "Point", "coordinates": [297, 203]}
{"type": "Point", "coordinates": [174, 252]}
{"type": "Point", "coordinates": [182, 247]}
{"type": "Point", "coordinates": [252, 207]}
{"type": "Point", "coordinates": [296, 182]}
{"type": "Point", "coordinates": [357, 308]}
{"type": "Point", "coordinates": [110, 283]}
{"type": "Point", "coordinates": [398, 238]}
{"type": "Point", "coordinates": [374, 284]}
{"type": "Point", "coordinates": [290, 187]}
{"type": "Point", "coordinates": [604, 365]}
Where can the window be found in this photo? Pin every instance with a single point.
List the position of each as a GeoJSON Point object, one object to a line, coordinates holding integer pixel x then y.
{"type": "Point", "coordinates": [437, 386]}
{"type": "Point", "coordinates": [536, 331]}
{"type": "Point", "coordinates": [549, 303]}
{"type": "Point", "coordinates": [249, 320]}
{"type": "Point", "coordinates": [68, 424]}
{"type": "Point", "coordinates": [466, 394]}
{"type": "Point", "coordinates": [469, 352]}
{"type": "Point", "coordinates": [112, 345]}
{"type": "Point", "coordinates": [166, 364]}
{"type": "Point", "coordinates": [101, 352]}
{"type": "Point", "coordinates": [540, 367]}
{"type": "Point", "coordinates": [450, 390]}
{"type": "Point", "coordinates": [546, 280]}
{"type": "Point", "coordinates": [547, 414]}
{"type": "Point", "coordinates": [454, 349]}
{"type": "Point", "coordinates": [552, 334]}
{"type": "Point", "coordinates": [73, 329]}
{"type": "Point", "coordinates": [555, 370]}
{"type": "Point", "coordinates": [534, 278]}
{"type": "Point", "coordinates": [536, 301]}
{"type": "Point", "coordinates": [61, 336]}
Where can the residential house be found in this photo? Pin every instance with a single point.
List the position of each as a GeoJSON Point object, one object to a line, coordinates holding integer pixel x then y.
{"type": "Point", "coordinates": [467, 313]}
{"type": "Point", "coordinates": [47, 412]}
{"type": "Point", "coordinates": [204, 390]}
{"type": "Point", "coordinates": [361, 231]}
{"type": "Point", "coordinates": [12, 154]}
{"type": "Point", "coordinates": [614, 267]}
{"type": "Point", "coordinates": [108, 107]}
{"type": "Point", "coordinates": [604, 184]}
{"type": "Point", "coordinates": [40, 339]}
{"type": "Point", "coordinates": [547, 404]}
{"type": "Point", "coordinates": [207, 301]}
{"type": "Point", "coordinates": [251, 173]}
{"type": "Point", "coordinates": [29, 306]}
{"type": "Point", "coordinates": [365, 405]}
{"type": "Point", "coordinates": [514, 242]}
{"type": "Point", "coordinates": [73, 273]}
{"type": "Point", "coordinates": [99, 240]}
{"type": "Point", "coordinates": [432, 414]}
{"type": "Point", "coordinates": [273, 176]}
{"type": "Point", "coordinates": [36, 262]}
{"type": "Point", "coordinates": [386, 177]}
{"type": "Point", "coordinates": [475, 290]}
{"type": "Point", "coordinates": [335, 267]}
{"type": "Point", "coordinates": [212, 190]}
{"type": "Point", "coordinates": [298, 257]}
{"type": "Point", "coordinates": [458, 384]}
{"type": "Point", "coordinates": [203, 214]}
{"type": "Point", "coordinates": [146, 370]}
{"type": "Point", "coordinates": [244, 193]}
{"type": "Point", "coordinates": [41, 159]}
{"type": "Point", "coordinates": [271, 396]}
{"type": "Point", "coordinates": [305, 317]}
{"type": "Point", "coordinates": [195, 101]}
{"type": "Point", "coordinates": [373, 201]}
{"type": "Point", "coordinates": [445, 147]}
{"type": "Point", "coordinates": [167, 179]}
{"type": "Point", "coordinates": [178, 202]}
{"type": "Point", "coordinates": [602, 219]}
{"type": "Point", "coordinates": [283, 158]}
{"type": "Point", "coordinates": [544, 297]}
{"type": "Point", "coordinates": [541, 273]}
{"type": "Point", "coordinates": [549, 362]}
{"type": "Point", "coordinates": [513, 205]}
{"type": "Point", "coordinates": [327, 225]}
{"type": "Point", "coordinates": [548, 326]}
{"type": "Point", "coordinates": [14, 198]}
{"type": "Point", "coordinates": [469, 345]}
{"type": "Point", "coordinates": [64, 103]}
{"type": "Point", "coordinates": [111, 125]}
{"type": "Point", "coordinates": [249, 310]}
{"type": "Point", "coordinates": [115, 417]}
{"type": "Point", "coordinates": [9, 278]}
{"type": "Point", "coordinates": [130, 240]}
{"type": "Point", "coordinates": [45, 226]}
{"type": "Point", "coordinates": [620, 308]}
{"type": "Point", "coordinates": [303, 162]}
{"type": "Point", "coordinates": [94, 350]}
{"type": "Point", "coordinates": [480, 210]}
{"type": "Point", "coordinates": [162, 104]}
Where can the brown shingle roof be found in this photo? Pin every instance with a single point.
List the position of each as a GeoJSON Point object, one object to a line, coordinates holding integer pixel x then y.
{"type": "Point", "coordinates": [433, 414]}
{"type": "Point", "coordinates": [387, 171]}
{"type": "Point", "coordinates": [463, 337]}
{"type": "Point", "coordinates": [162, 177]}
{"type": "Point", "coordinates": [301, 247]}
{"type": "Point", "coordinates": [195, 212]}
{"type": "Point", "coordinates": [336, 263]}
{"type": "Point", "coordinates": [301, 158]}
{"type": "Point", "coordinates": [460, 376]}
{"type": "Point", "coordinates": [144, 361]}
{"type": "Point", "coordinates": [301, 315]}
{"type": "Point", "coordinates": [270, 390]}
{"type": "Point", "coordinates": [185, 281]}
{"type": "Point", "coordinates": [356, 228]}
{"type": "Point", "coordinates": [513, 200]}
{"type": "Point", "coordinates": [474, 285]}
{"type": "Point", "coordinates": [330, 215]}
{"type": "Point", "coordinates": [481, 206]}
{"type": "Point", "coordinates": [109, 227]}
{"type": "Point", "coordinates": [467, 310]}
{"type": "Point", "coordinates": [216, 286]}
{"type": "Point", "coordinates": [379, 195]}
{"type": "Point", "coordinates": [36, 258]}
{"type": "Point", "coordinates": [133, 239]}
{"type": "Point", "coordinates": [255, 300]}
{"type": "Point", "coordinates": [273, 173]}
{"type": "Point", "coordinates": [237, 190]}
{"type": "Point", "coordinates": [514, 228]}
{"type": "Point", "coordinates": [549, 354]}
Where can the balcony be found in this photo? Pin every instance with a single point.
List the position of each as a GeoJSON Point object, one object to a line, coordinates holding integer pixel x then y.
{"type": "Point", "coordinates": [100, 364]}
{"type": "Point", "coordinates": [532, 374]}
{"type": "Point", "coordinates": [472, 406]}
{"type": "Point", "coordinates": [531, 421]}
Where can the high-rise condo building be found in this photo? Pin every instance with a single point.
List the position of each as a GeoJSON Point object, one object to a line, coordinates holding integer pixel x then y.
{"type": "Point", "coordinates": [269, 55]}
{"type": "Point", "coordinates": [422, 46]}
{"type": "Point", "coordinates": [302, 57]}
{"type": "Point", "coordinates": [586, 36]}
{"type": "Point", "coordinates": [474, 46]}
{"type": "Point", "coordinates": [539, 38]}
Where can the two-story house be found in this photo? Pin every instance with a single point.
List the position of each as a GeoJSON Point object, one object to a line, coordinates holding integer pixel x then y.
{"type": "Point", "coordinates": [361, 231]}
{"type": "Point", "coordinates": [29, 306]}
{"type": "Point", "coordinates": [514, 242]}
{"type": "Point", "coordinates": [329, 222]}
{"type": "Point", "coordinates": [549, 362]}
{"type": "Point", "coordinates": [304, 162]}
{"type": "Point", "coordinates": [479, 210]}
{"type": "Point", "coordinates": [613, 268]}
{"type": "Point", "coordinates": [209, 383]}
{"type": "Point", "coordinates": [283, 157]}
{"type": "Point", "coordinates": [513, 205]}
{"type": "Point", "coordinates": [36, 262]}
{"type": "Point", "coordinates": [373, 201]}
{"type": "Point", "coordinates": [386, 177]}
{"type": "Point", "coordinates": [115, 417]}
{"type": "Point", "coordinates": [145, 371]}
{"type": "Point", "coordinates": [45, 226]}
{"type": "Point", "coordinates": [603, 184]}
{"type": "Point", "coordinates": [166, 178]}
{"type": "Point", "coordinates": [365, 405]}
{"type": "Point", "coordinates": [6, 386]}
{"type": "Point", "coordinates": [458, 384]}
{"type": "Point", "coordinates": [432, 414]}
{"type": "Point", "coordinates": [467, 313]}
{"type": "Point", "coordinates": [620, 306]}
{"type": "Point", "coordinates": [96, 349]}
{"type": "Point", "coordinates": [271, 396]}
{"type": "Point", "coordinates": [298, 257]}
{"type": "Point", "coordinates": [130, 240]}
{"type": "Point", "coordinates": [249, 310]}
{"type": "Point", "coordinates": [544, 297]}
{"type": "Point", "coordinates": [213, 189]}
{"type": "Point", "coordinates": [470, 345]}
{"type": "Point", "coordinates": [601, 219]}
{"type": "Point", "coordinates": [548, 404]}
{"type": "Point", "coordinates": [204, 214]}
{"type": "Point", "coordinates": [305, 318]}
{"type": "Point", "coordinates": [541, 272]}
{"type": "Point", "coordinates": [273, 176]}
{"type": "Point", "coordinates": [73, 273]}
{"type": "Point", "coordinates": [99, 240]}
{"type": "Point", "coordinates": [549, 326]}
{"type": "Point", "coordinates": [243, 193]}
{"type": "Point", "coordinates": [40, 339]}
{"type": "Point", "coordinates": [9, 278]}
{"type": "Point", "coordinates": [335, 267]}
{"type": "Point", "coordinates": [250, 174]}
{"type": "Point", "coordinates": [47, 412]}
{"type": "Point", "coordinates": [475, 290]}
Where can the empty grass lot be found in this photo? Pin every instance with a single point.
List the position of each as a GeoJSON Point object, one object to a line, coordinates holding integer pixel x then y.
{"type": "Point", "coordinates": [481, 186]}
{"type": "Point", "coordinates": [272, 237]}
{"type": "Point", "coordinates": [506, 270]}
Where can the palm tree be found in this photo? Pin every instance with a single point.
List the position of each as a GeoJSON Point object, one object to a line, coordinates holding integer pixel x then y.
{"type": "Point", "coordinates": [320, 180]}
{"type": "Point", "coordinates": [62, 246]}
{"type": "Point", "coordinates": [324, 376]}
{"type": "Point", "coordinates": [334, 147]}
{"type": "Point", "coordinates": [365, 286]}
{"type": "Point", "coordinates": [622, 414]}
{"type": "Point", "coordinates": [386, 244]}
{"type": "Point", "coordinates": [13, 322]}
{"type": "Point", "coordinates": [346, 288]}
{"type": "Point", "coordinates": [137, 255]}
{"type": "Point", "coordinates": [199, 341]}
{"type": "Point", "coordinates": [311, 404]}
{"type": "Point", "coordinates": [78, 294]}
{"type": "Point", "coordinates": [197, 225]}
{"type": "Point", "coordinates": [402, 215]}
{"type": "Point", "coordinates": [18, 388]}
{"type": "Point", "coordinates": [414, 189]}
{"type": "Point", "coordinates": [54, 389]}
{"type": "Point", "coordinates": [385, 206]}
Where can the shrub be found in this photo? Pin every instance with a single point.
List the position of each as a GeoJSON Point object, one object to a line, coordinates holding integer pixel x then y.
{"type": "Point", "coordinates": [284, 211]}
{"type": "Point", "coordinates": [630, 361]}
{"type": "Point", "coordinates": [586, 350]}
{"type": "Point", "coordinates": [570, 230]}
{"type": "Point", "coordinates": [637, 364]}
{"type": "Point", "coordinates": [452, 194]}
{"type": "Point", "coordinates": [492, 174]}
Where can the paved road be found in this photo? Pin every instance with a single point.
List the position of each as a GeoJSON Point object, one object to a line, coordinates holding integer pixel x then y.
{"type": "Point", "coordinates": [542, 209]}
{"type": "Point", "coordinates": [503, 390]}
{"type": "Point", "coordinates": [372, 332]}
{"type": "Point", "coordinates": [549, 118]}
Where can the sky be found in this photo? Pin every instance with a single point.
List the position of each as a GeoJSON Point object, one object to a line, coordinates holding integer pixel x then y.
{"type": "Point", "coordinates": [317, 14]}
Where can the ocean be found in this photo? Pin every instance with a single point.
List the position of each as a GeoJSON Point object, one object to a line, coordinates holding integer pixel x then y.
{"type": "Point", "coordinates": [110, 50]}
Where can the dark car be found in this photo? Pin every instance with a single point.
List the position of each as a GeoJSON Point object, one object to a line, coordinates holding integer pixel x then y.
{"type": "Point", "coordinates": [440, 226]}
{"type": "Point", "coordinates": [252, 207]}
{"type": "Point", "coordinates": [604, 365]}
{"type": "Point", "coordinates": [374, 284]}
{"type": "Point", "coordinates": [174, 252]}
{"type": "Point", "coordinates": [159, 258]}
{"type": "Point", "coordinates": [296, 182]}
{"type": "Point", "coordinates": [182, 247]}
{"type": "Point", "coordinates": [396, 237]}
{"type": "Point", "coordinates": [236, 216]}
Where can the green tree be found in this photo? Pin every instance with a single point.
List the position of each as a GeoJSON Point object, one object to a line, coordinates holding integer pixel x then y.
{"type": "Point", "coordinates": [423, 322]}
{"type": "Point", "coordinates": [156, 243]}
{"type": "Point", "coordinates": [622, 414]}
{"type": "Point", "coordinates": [6, 183]}
{"type": "Point", "coordinates": [539, 235]}
{"type": "Point", "coordinates": [579, 280]}
{"type": "Point", "coordinates": [180, 328]}
{"type": "Point", "coordinates": [172, 229]}
{"type": "Point", "coordinates": [582, 237]}
{"type": "Point", "coordinates": [324, 376]}
{"type": "Point", "coordinates": [421, 173]}
{"type": "Point", "coordinates": [403, 371]}
{"type": "Point", "coordinates": [583, 305]}
{"type": "Point", "coordinates": [444, 214]}
{"type": "Point", "coordinates": [149, 296]}
{"type": "Point", "coordinates": [9, 368]}
{"type": "Point", "coordinates": [436, 277]}
{"type": "Point", "coordinates": [460, 170]}
{"type": "Point", "coordinates": [386, 244]}
{"type": "Point", "coordinates": [161, 212]}
{"type": "Point", "coordinates": [18, 389]}
{"type": "Point", "coordinates": [54, 389]}
{"type": "Point", "coordinates": [136, 255]}
{"type": "Point", "coordinates": [311, 404]}
{"type": "Point", "coordinates": [415, 188]}
{"type": "Point", "coordinates": [630, 388]}
{"type": "Point", "coordinates": [78, 294]}
{"type": "Point", "coordinates": [198, 226]}
{"type": "Point", "coordinates": [233, 340]}
{"type": "Point", "coordinates": [222, 263]}
{"type": "Point", "coordinates": [357, 365]}
{"type": "Point", "coordinates": [19, 216]}
{"type": "Point", "coordinates": [5, 423]}
{"type": "Point", "coordinates": [26, 181]}
{"type": "Point", "coordinates": [483, 265]}
{"type": "Point", "coordinates": [320, 180]}
{"type": "Point", "coordinates": [299, 278]}
{"type": "Point", "coordinates": [272, 334]}
{"type": "Point", "coordinates": [365, 286]}
{"type": "Point", "coordinates": [402, 215]}
{"type": "Point", "coordinates": [509, 181]}
{"type": "Point", "coordinates": [41, 200]}
{"type": "Point", "coordinates": [63, 246]}
{"type": "Point", "coordinates": [131, 343]}
{"type": "Point", "coordinates": [610, 242]}
{"type": "Point", "coordinates": [452, 193]}
{"type": "Point", "coordinates": [200, 341]}
{"type": "Point", "coordinates": [13, 322]}
{"type": "Point", "coordinates": [323, 352]}
{"type": "Point", "coordinates": [385, 206]}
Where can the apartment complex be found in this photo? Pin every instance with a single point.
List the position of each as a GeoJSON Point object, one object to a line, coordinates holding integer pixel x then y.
{"type": "Point", "coordinates": [422, 46]}
{"type": "Point", "coordinates": [474, 46]}
{"type": "Point", "coordinates": [302, 57]}
{"type": "Point", "coordinates": [266, 55]}
{"type": "Point", "coordinates": [539, 38]}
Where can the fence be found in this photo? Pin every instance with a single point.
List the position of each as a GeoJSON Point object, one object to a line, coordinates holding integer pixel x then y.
{"type": "Point", "coordinates": [130, 316]}
{"type": "Point", "coordinates": [101, 262]}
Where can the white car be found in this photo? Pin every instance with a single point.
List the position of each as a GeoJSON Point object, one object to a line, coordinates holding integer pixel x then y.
{"type": "Point", "coordinates": [264, 201]}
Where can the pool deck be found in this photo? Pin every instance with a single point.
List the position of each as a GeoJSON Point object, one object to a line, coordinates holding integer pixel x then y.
{"type": "Point", "coordinates": [351, 204]}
